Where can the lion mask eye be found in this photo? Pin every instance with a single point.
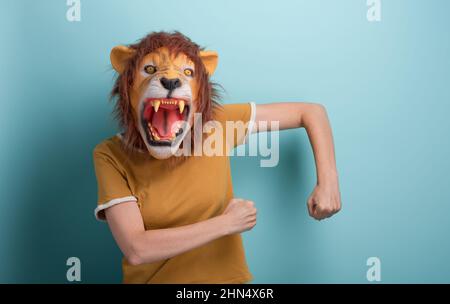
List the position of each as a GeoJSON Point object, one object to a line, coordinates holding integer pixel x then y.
{"type": "Point", "coordinates": [150, 69]}
{"type": "Point", "coordinates": [188, 72]}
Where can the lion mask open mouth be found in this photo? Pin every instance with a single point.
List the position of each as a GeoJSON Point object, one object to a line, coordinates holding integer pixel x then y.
{"type": "Point", "coordinates": [164, 119]}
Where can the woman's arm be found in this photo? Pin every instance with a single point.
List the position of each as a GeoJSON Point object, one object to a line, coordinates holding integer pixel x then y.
{"type": "Point", "coordinates": [140, 246]}
{"type": "Point", "coordinates": [325, 199]}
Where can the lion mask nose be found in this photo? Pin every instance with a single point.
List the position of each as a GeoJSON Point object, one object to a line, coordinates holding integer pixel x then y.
{"type": "Point", "coordinates": [170, 84]}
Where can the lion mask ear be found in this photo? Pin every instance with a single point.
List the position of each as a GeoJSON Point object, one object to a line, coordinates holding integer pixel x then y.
{"type": "Point", "coordinates": [119, 57]}
{"type": "Point", "coordinates": [210, 60]}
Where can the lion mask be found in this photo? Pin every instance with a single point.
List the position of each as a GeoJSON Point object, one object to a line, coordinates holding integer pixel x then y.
{"type": "Point", "coordinates": [163, 80]}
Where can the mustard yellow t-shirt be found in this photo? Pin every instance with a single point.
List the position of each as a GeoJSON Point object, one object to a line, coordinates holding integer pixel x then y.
{"type": "Point", "coordinates": [195, 190]}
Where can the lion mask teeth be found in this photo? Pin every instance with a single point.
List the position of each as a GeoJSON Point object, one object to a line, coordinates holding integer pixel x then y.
{"type": "Point", "coordinates": [156, 105]}
{"type": "Point", "coordinates": [181, 104]}
{"type": "Point", "coordinates": [164, 118]}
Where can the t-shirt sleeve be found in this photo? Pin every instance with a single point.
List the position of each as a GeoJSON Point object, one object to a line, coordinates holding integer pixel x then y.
{"type": "Point", "coordinates": [112, 184]}
{"type": "Point", "coordinates": [242, 117]}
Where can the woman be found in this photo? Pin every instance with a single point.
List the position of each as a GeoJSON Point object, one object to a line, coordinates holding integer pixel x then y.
{"type": "Point", "coordinates": [166, 192]}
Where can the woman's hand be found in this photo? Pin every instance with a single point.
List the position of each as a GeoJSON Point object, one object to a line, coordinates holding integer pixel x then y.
{"type": "Point", "coordinates": [239, 216]}
{"type": "Point", "coordinates": [325, 200]}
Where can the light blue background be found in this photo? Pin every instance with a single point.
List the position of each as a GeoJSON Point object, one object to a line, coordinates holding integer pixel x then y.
{"type": "Point", "coordinates": [385, 86]}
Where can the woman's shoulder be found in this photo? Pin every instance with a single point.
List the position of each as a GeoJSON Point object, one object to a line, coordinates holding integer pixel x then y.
{"type": "Point", "coordinates": [109, 146]}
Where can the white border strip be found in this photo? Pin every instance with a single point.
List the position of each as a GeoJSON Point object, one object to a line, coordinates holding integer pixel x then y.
{"type": "Point", "coordinates": [112, 203]}
{"type": "Point", "coordinates": [251, 122]}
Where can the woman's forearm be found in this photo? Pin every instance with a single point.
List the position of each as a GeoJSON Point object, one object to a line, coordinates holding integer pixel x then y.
{"type": "Point", "coordinates": [320, 135]}
{"type": "Point", "coordinates": [141, 246]}
{"type": "Point", "coordinates": [160, 244]}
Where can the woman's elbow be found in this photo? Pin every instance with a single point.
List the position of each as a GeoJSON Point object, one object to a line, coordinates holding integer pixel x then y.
{"type": "Point", "coordinates": [134, 255]}
{"type": "Point", "coordinates": [138, 253]}
{"type": "Point", "coordinates": [311, 113]}
{"type": "Point", "coordinates": [134, 259]}
{"type": "Point", "coordinates": [317, 108]}
{"type": "Point", "coordinates": [317, 112]}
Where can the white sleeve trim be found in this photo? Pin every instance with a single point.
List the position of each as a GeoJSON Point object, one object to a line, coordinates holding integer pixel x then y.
{"type": "Point", "coordinates": [112, 203]}
{"type": "Point", "coordinates": [251, 122]}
